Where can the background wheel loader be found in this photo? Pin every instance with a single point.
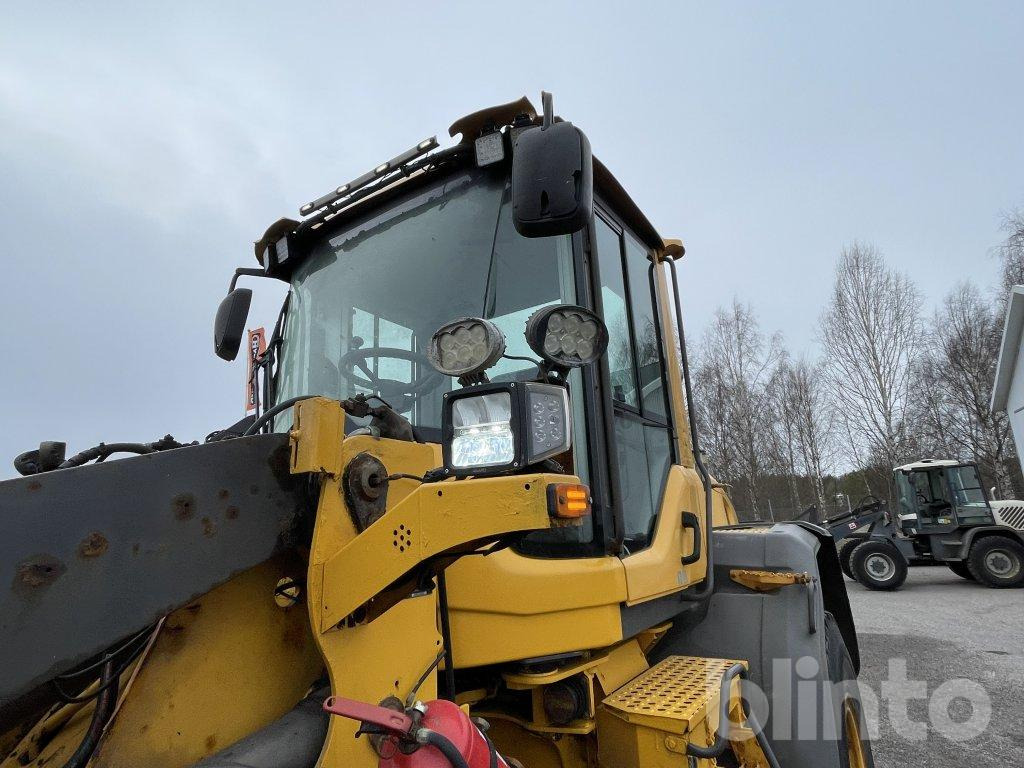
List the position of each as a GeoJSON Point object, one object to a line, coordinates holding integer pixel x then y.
{"type": "Point", "coordinates": [945, 517]}
{"type": "Point", "coordinates": [467, 525]}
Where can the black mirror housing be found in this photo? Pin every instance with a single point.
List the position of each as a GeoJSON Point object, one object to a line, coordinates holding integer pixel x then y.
{"type": "Point", "coordinates": [552, 181]}
{"type": "Point", "coordinates": [229, 327]}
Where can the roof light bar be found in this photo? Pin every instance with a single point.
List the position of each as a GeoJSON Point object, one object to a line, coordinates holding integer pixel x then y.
{"type": "Point", "coordinates": [394, 163]}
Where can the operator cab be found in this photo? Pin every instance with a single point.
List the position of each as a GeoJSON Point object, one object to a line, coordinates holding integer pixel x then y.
{"type": "Point", "coordinates": [940, 495]}
{"type": "Point", "coordinates": [515, 218]}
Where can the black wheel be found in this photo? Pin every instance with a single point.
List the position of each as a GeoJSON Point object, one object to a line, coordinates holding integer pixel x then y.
{"type": "Point", "coordinates": [959, 567]}
{"type": "Point", "coordinates": [854, 747]}
{"type": "Point", "coordinates": [997, 561]}
{"type": "Point", "coordinates": [878, 565]}
{"type": "Point", "coordinates": [845, 551]}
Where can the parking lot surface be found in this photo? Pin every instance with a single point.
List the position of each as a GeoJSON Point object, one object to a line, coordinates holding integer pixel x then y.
{"type": "Point", "coordinates": [943, 629]}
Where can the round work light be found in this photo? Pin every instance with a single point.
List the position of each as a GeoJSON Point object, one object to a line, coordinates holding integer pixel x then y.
{"type": "Point", "coordinates": [566, 335]}
{"type": "Point", "coordinates": [466, 347]}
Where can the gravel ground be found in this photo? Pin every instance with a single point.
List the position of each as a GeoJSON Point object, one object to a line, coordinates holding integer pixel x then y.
{"type": "Point", "coordinates": [943, 628]}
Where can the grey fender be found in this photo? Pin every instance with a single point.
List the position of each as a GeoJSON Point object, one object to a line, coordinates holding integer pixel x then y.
{"type": "Point", "coordinates": [780, 634]}
{"type": "Point", "coordinates": [982, 531]}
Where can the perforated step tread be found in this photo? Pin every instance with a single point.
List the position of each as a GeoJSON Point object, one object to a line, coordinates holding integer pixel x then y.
{"type": "Point", "coordinates": [679, 689]}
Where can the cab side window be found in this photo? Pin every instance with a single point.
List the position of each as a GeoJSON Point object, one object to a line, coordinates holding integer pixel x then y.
{"type": "Point", "coordinates": [649, 362]}
{"type": "Point", "coordinates": [636, 364]}
{"type": "Point", "coordinates": [621, 362]}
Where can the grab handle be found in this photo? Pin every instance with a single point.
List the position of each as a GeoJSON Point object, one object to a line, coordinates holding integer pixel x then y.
{"type": "Point", "coordinates": [692, 523]}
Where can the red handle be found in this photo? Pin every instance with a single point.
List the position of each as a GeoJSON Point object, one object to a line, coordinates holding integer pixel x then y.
{"type": "Point", "coordinates": [397, 722]}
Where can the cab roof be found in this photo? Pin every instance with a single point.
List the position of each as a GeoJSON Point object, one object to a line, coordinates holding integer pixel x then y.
{"type": "Point", "coordinates": [468, 128]}
{"type": "Point", "coordinates": [605, 183]}
{"type": "Point", "coordinates": [930, 463]}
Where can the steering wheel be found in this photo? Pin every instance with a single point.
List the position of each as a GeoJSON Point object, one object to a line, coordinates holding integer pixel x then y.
{"type": "Point", "coordinates": [401, 394]}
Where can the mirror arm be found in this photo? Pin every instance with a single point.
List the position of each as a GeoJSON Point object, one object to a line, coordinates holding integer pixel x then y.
{"type": "Point", "coordinates": [246, 271]}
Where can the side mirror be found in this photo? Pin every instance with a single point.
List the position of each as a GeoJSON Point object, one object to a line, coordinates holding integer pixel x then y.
{"type": "Point", "coordinates": [229, 327]}
{"type": "Point", "coordinates": [552, 178]}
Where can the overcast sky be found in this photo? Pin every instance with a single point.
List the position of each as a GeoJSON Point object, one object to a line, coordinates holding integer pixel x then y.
{"type": "Point", "coordinates": [142, 151]}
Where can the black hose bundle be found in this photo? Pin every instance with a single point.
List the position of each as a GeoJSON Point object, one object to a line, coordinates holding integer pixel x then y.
{"type": "Point", "coordinates": [105, 702]}
{"type": "Point", "coordinates": [50, 455]}
{"type": "Point", "coordinates": [449, 750]}
{"type": "Point", "coordinates": [102, 451]}
{"type": "Point", "coordinates": [123, 657]}
{"type": "Point", "coordinates": [720, 743]}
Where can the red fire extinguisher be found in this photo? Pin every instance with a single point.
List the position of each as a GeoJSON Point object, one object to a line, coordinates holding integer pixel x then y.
{"type": "Point", "coordinates": [437, 734]}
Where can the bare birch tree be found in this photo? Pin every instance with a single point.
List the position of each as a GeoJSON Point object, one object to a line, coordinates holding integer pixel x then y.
{"type": "Point", "coordinates": [732, 398]}
{"type": "Point", "coordinates": [870, 333]}
{"type": "Point", "coordinates": [786, 427]}
{"type": "Point", "coordinates": [1011, 251]}
{"type": "Point", "coordinates": [955, 380]}
{"type": "Point", "coordinates": [806, 420]}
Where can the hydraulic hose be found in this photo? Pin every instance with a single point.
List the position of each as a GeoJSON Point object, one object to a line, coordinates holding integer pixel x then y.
{"type": "Point", "coordinates": [103, 450]}
{"type": "Point", "coordinates": [720, 743]}
{"type": "Point", "coordinates": [100, 717]}
{"type": "Point", "coordinates": [435, 739]}
{"type": "Point", "coordinates": [704, 592]}
{"type": "Point", "coordinates": [270, 413]}
{"type": "Point", "coordinates": [294, 740]}
{"type": "Point", "coordinates": [446, 637]}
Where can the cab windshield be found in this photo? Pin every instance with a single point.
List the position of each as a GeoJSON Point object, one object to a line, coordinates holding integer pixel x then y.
{"type": "Point", "coordinates": [968, 494]}
{"type": "Point", "coordinates": [366, 301]}
{"type": "Point", "coordinates": [932, 493]}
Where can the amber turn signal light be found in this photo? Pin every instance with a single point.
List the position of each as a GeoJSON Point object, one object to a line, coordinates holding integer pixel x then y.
{"type": "Point", "coordinates": [568, 500]}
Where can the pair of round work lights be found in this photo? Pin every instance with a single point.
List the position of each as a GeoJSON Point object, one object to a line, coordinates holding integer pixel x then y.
{"type": "Point", "coordinates": [564, 335]}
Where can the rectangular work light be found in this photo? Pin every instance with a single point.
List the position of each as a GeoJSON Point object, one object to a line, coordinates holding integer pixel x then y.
{"type": "Point", "coordinates": [495, 428]}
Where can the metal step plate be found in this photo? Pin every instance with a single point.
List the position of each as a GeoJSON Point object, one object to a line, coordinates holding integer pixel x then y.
{"type": "Point", "coordinates": [673, 695]}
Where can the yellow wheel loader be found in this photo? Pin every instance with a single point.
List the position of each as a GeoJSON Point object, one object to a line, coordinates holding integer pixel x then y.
{"type": "Point", "coordinates": [467, 524]}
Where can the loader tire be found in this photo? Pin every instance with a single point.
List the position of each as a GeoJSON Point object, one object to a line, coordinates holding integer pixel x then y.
{"type": "Point", "coordinates": [878, 565]}
{"type": "Point", "coordinates": [997, 561]}
{"type": "Point", "coordinates": [845, 551]}
{"type": "Point", "coordinates": [959, 567]}
{"type": "Point", "coordinates": [851, 729]}
{"type": "Point", "coordinates": [854, 747]}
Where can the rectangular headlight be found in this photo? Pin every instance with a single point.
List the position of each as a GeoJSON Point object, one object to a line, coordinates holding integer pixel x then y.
{"type": "Point", "coordinates": [482, 431]}
{"type": "Point", "coordinates": [495, 428]}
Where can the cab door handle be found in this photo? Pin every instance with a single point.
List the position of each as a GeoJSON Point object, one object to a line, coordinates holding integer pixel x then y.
{"type": "Point", "coordinates": [692, 523]}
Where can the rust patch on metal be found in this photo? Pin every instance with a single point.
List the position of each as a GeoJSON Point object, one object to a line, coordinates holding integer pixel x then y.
{"type": "Point", "coordinates": [223, 493]}
{"type": "Point", "coordinates": [210, 743]}
{"type": "Point", "coordinates": [209, 529]}
{"type": "Point", "coordinates": [93, 545]}
{"type": "Point", "coordinates": [39, 571]}
{"type": "Point", "coordinates": [231, 513]}
{"type": "Point", "coordinates": [184, 506]}
{"type": "Point", "coordinates": [135, 549]}
{"type": "Point", "coordinates": [35, 485]}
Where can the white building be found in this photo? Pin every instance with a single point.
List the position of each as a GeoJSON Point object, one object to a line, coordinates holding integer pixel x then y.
{"type": "Point", "coordinates": [1008, 392]}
